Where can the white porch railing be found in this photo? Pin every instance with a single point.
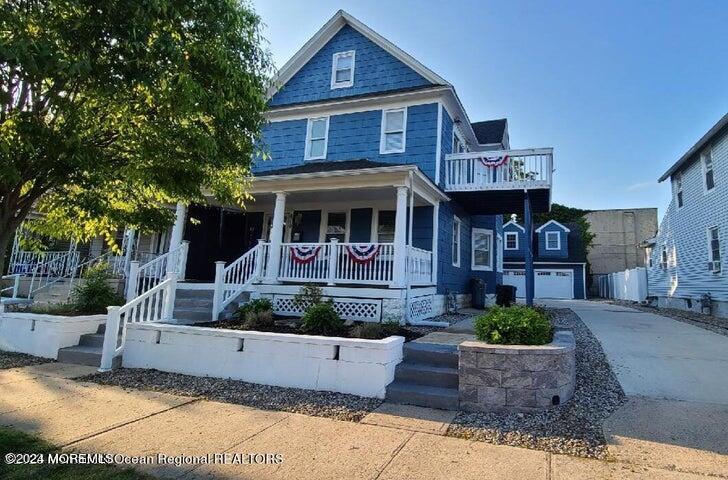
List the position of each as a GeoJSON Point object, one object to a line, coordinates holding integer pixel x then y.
{"type": "Point", "coordinates": [147, 276]}
{"type": "Point", "coordinates": [154, 305]}
{"type": "Point", "coordinates": [316, 270]}
{"type": "Point", "coordinates": [531, 168]}
{"type": "Point", "coordinates": [230, 281]}
{"type": "Point", "coordinates": [378, 271]}
{"type": "Point", "coordinates": [419, 266]}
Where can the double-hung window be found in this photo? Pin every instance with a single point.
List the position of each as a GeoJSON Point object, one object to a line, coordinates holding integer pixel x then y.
{"type": "Point", "coordinates": [714, 250]}
{"type": "Point", "coordinates": [482, 245]}
{"type": "Point", "coordinates": [342, 69]}
{"type": "Point", "coordinates": [679, 189]}
{"type": "Point", "coordinates": [511, 240]}
{"type": "Point", "coordinates": [317, 137]}
{"type": "Point", "coordinates": [394, 131]}
{"type": "Point", "coordinates": [456, 226]}
{"type": "Point", "coordinates": [553, 241]}
{"type": "Point", "coordinates": [708, 174]}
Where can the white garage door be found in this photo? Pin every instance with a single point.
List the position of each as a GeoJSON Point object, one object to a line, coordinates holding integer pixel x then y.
{"type": "Point", "coordinates": [548, 283]}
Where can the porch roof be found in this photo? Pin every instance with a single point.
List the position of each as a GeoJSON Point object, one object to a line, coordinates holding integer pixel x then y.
{"type": "Point", "coordinates": [351, 174]}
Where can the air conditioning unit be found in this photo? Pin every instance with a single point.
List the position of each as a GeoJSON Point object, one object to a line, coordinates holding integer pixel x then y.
{"type": "Point", "coordinates": [714, 266]}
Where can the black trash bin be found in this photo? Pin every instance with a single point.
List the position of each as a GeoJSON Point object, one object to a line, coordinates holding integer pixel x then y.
{"type": "Point", "coordinates": [505, 295]}
{"type": "Point", "coordinates": [477, 291]}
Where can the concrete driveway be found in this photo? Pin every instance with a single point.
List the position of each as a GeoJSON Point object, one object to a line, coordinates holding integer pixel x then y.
{"type": "Point", "coordinates": [656, 356]}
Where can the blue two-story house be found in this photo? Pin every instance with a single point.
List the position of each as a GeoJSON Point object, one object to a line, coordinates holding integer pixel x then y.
{"type": "Point", "coordinates": [375, 185]}
{"type": "Point", "coordinates": [559, 260]}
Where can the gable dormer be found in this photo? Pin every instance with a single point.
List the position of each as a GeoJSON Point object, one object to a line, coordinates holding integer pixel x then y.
{"type": "Point", "coordinates": [347, 59]}
{"type": "Point", "coordinates": [514, 238]}
{"type": "Point", "coordinates": [553, 240]}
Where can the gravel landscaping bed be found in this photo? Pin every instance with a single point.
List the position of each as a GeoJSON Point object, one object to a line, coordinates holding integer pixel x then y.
{"type": "Point", "coordinates": [338, 406]}
{"type": "Point", "coordinates": [574, 428]}
{"type": "Point", "coordinates": [708, 322]}
{"type": "Point", "coordinates": [15, 360]}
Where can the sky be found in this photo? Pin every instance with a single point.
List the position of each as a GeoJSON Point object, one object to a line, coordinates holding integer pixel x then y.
{"type": "Point", "coordinates": [619, 89]}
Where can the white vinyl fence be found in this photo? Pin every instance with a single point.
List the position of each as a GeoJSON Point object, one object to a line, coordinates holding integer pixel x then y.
{"type": "Point", "coordinates": [627, 285]}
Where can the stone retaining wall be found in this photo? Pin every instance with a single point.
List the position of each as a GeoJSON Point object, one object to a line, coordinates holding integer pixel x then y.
{"type": "Point", "coordinates": [517, 377]}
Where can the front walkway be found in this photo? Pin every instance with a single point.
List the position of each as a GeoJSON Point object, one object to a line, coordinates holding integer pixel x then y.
{"type": "Point", "coordinates": [94, 418]}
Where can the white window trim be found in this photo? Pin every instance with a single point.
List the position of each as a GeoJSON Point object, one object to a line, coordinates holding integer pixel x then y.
{"type": "Point", "coordinates": [456, 221]}
{"type": "Point", "coordinates": [324, 225]}
{"type": "Point", "coordinates": [499, 251]}
{"type": "Point", "coordinates": [382, 136]}
{"type": "Point", "coordinates": [507, 234]}
{"type": "Point", "coordinates": [473, 266]}
{"type": "Point", "coordinates": [558, 241]}
{"type": "Point", "coordinates": [307, 147]}
{"type": "Point", "coordinates": [334, 61]}
{"type": "Point", "coordinates": [706, 152]}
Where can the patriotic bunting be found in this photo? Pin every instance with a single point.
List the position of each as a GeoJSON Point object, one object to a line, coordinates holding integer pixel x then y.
{"type": "Point", "coordinates": [362, 254]}
{"type": "Point", "coordinates": [304, 254]}
{"type": "Point", "coordinates": [494, 161]}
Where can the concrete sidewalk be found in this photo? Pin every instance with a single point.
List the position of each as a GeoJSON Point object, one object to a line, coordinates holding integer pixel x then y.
{"type": "Point", "coordinates": [92, 418]}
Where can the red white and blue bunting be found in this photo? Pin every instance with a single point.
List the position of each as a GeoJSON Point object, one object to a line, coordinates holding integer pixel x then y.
{"type": "Point", "coordinates": [362, 254]}
{"type": "Point", "coordinates": [494, 161]}
{"type": "Point", "coordinates": [304, 254]}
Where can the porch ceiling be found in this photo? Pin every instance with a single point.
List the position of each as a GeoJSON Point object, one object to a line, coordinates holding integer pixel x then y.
{"type": "Point", "coordinates": [383, 197]}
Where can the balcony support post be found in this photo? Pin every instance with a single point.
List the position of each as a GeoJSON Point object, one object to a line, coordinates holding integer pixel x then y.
{"type": "Point", "coordinates": [528, 250]}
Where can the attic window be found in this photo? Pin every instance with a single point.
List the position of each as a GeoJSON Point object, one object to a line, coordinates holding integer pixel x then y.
{"type": "Point", "coordinates": [553, 241]}
{"type": "Point", "coordinates": [342, 69]}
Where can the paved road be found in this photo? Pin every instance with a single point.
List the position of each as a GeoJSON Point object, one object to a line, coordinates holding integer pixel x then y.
{"type": "Point", "coordinates": [94, 418]}
{"type": "Point", "coordinates": [657, 356]}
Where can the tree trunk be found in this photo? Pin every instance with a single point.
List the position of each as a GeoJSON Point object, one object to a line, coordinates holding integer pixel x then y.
{"type": "Point", "coordinates": [7, 233]}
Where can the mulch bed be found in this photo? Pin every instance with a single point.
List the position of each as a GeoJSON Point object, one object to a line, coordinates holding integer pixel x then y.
{"type": "Point", "coordinates": [574, 428]}
{"type": "Point", "coordinates": [16, 360]}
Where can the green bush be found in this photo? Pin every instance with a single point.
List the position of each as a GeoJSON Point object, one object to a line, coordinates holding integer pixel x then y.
{"type": "Point", "coordinates": [375, 331]}
{"type": "Point", "coordinates": [322, 319]}
{"type": "Point", "coordinates": [257, 305]}
{"type": "Point", "coordinates": [94, 294]}
{"type": "Point", "coordinates": [516, 325]}
{"type": "Point", "coordinates": [308, 296]}
{"type": "Point", "coordinates": [261, 321]}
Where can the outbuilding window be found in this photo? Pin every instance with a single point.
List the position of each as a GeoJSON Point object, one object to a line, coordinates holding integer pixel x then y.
{"type": "Point", "coordinates": [553, 241]}
{"type": "Point", "coordinates": [511, 240]}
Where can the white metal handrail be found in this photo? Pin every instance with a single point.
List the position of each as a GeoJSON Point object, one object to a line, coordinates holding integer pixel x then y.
{"type": "Point", "coordinates": [13, 289]}
{"type": "Point", "coordinates": [52, 271]}
{"type": "Point", "coordinates": [147, 276]}
{"type": "Point", "coordinates": [419, 266]}
{"type": "Point", "coordinates": [232, 280]}
{"type": "Point", "coordinates": [530, 168]}
{"type": "Point", "coordinates": [154, 305]}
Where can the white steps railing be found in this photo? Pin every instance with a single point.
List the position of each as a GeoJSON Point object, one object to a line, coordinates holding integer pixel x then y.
{"type": "Point", "coordinates": [154, 305]}
{"type": "Point", "coordinates": [231, 280]}
{"type": "Point", "coordinates": [53, 270]}
{"type": "Point", "coordinates": [419, 266]}
{"type": "Point", "coordinates": [147, 276]}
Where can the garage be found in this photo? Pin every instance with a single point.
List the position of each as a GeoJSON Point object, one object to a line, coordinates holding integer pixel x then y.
{"type": "Point", "coordinates": [548, 283]}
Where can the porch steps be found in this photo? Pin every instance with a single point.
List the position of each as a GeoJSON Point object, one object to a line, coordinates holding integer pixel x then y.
{"type": "Point", "coordinates": [427, 377]}
{"type": "Point", "coordinates": [88, 350]}
{"type": "Point", "coordinates": [195, 306]}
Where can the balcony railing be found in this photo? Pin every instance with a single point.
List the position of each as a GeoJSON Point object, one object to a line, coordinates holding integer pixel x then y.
{"type": "Point", "coordinates": [499, 170]}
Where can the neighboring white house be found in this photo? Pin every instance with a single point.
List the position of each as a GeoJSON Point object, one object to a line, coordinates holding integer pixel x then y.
{"type": "Point", "coordinates": [686, 257]}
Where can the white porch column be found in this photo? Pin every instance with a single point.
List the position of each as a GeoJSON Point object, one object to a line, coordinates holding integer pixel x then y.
{"type": "Point", "coordinates": [400, 238]}
{"type": "Point", "coordinates": [276, 234]}
{"type": "Point", "coordinates": [178, 229]}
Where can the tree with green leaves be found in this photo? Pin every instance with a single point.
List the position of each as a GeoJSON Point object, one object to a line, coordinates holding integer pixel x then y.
{"type": "Point", "coordinates": [111, 111]}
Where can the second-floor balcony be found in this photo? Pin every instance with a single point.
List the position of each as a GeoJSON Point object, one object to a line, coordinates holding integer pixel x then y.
{"type": "Point", "coordinates": [494, 181]}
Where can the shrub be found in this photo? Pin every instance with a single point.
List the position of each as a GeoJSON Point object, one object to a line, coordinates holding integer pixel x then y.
{"type": "Point", "coordinates": [94, 293]}
{"type": "Point", "coordinates": [516, 325]}
{"type": "Point", "coordinates": [375, 331]}
{"type": "Point", "coordinates": [261, 321]}
{"type": "Point", "coordinates": [257, 305]}
{"type": "Point", "coordinates": [308, 296]}
{"type": "Point", "coordinates": [322, 319]}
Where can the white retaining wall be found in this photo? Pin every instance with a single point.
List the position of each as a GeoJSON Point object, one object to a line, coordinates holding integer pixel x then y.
{"type": "Point", "coordinates": [627, 285]}
{"type": "Point", "coordinates": [42, 335]}
{"type": "Point", "coordinates": [345, 365]}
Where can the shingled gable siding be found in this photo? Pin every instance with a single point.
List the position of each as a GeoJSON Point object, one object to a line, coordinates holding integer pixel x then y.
{"type": "Point", "coordinates": [375, 70]}
{"type": "Point", "coordinates": [354, 136]}
{"type": "Point", "coordinates": [685, 229]}
{"type": "Point", "coordinates": [563, 252]}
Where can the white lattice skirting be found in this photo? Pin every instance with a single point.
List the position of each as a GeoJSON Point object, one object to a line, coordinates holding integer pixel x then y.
{"type": "Point", "coordinates": [421, 308]}
{"type": "Point", "coordinates": [355, 309]}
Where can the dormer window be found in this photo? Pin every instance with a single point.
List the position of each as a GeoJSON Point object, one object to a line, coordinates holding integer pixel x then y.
{"type": "Point", "coordinates": [342, 69]}
{"type": "Point", "coordinates": [511, 240]}
{"type": "Point", "coordinates": [553, 241]}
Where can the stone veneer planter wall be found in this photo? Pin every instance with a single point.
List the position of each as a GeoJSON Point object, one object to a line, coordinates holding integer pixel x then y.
{"type": "Point", "coordinates": [344, 365]}
{"type": "Point", "coordinates": [517, 377]}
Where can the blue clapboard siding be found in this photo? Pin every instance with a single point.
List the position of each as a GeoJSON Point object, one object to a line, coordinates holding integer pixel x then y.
{"type": "Point", "coordinates": [684, 232]}
{"type": "Point", "coordinates": [375, 70]}
{"type": "Point", "coordinates": [563, 252]}
{"type": "Point", "coordinates": [360, 225]}
{"type": "Point", "coordinates": [450, 278]}
{"type": "Point", "coordinates": [354, 136]}
{"type": "Point", "coordinates": [422, 228]}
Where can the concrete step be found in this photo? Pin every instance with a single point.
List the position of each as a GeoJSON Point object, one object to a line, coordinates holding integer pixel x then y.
{"type": "Point", "coordinates": [80, 355]}
{"type": "Point", "coordinates": [192, 302]}
{"type": "Point", "coordinates": [430, 375]}
{"type": "Point", "coordinates": [431, 354]}
{"type": "Point", "coordinates": [101, 329]}
{"type": "Point", "coordinates": [92, 340]}
{"type": "Point", "coordinates": [422, 395]}
{"type": "Point", "coordinates": [193, 314]}
{"type": "Point", "coordinates": [182, 293]}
